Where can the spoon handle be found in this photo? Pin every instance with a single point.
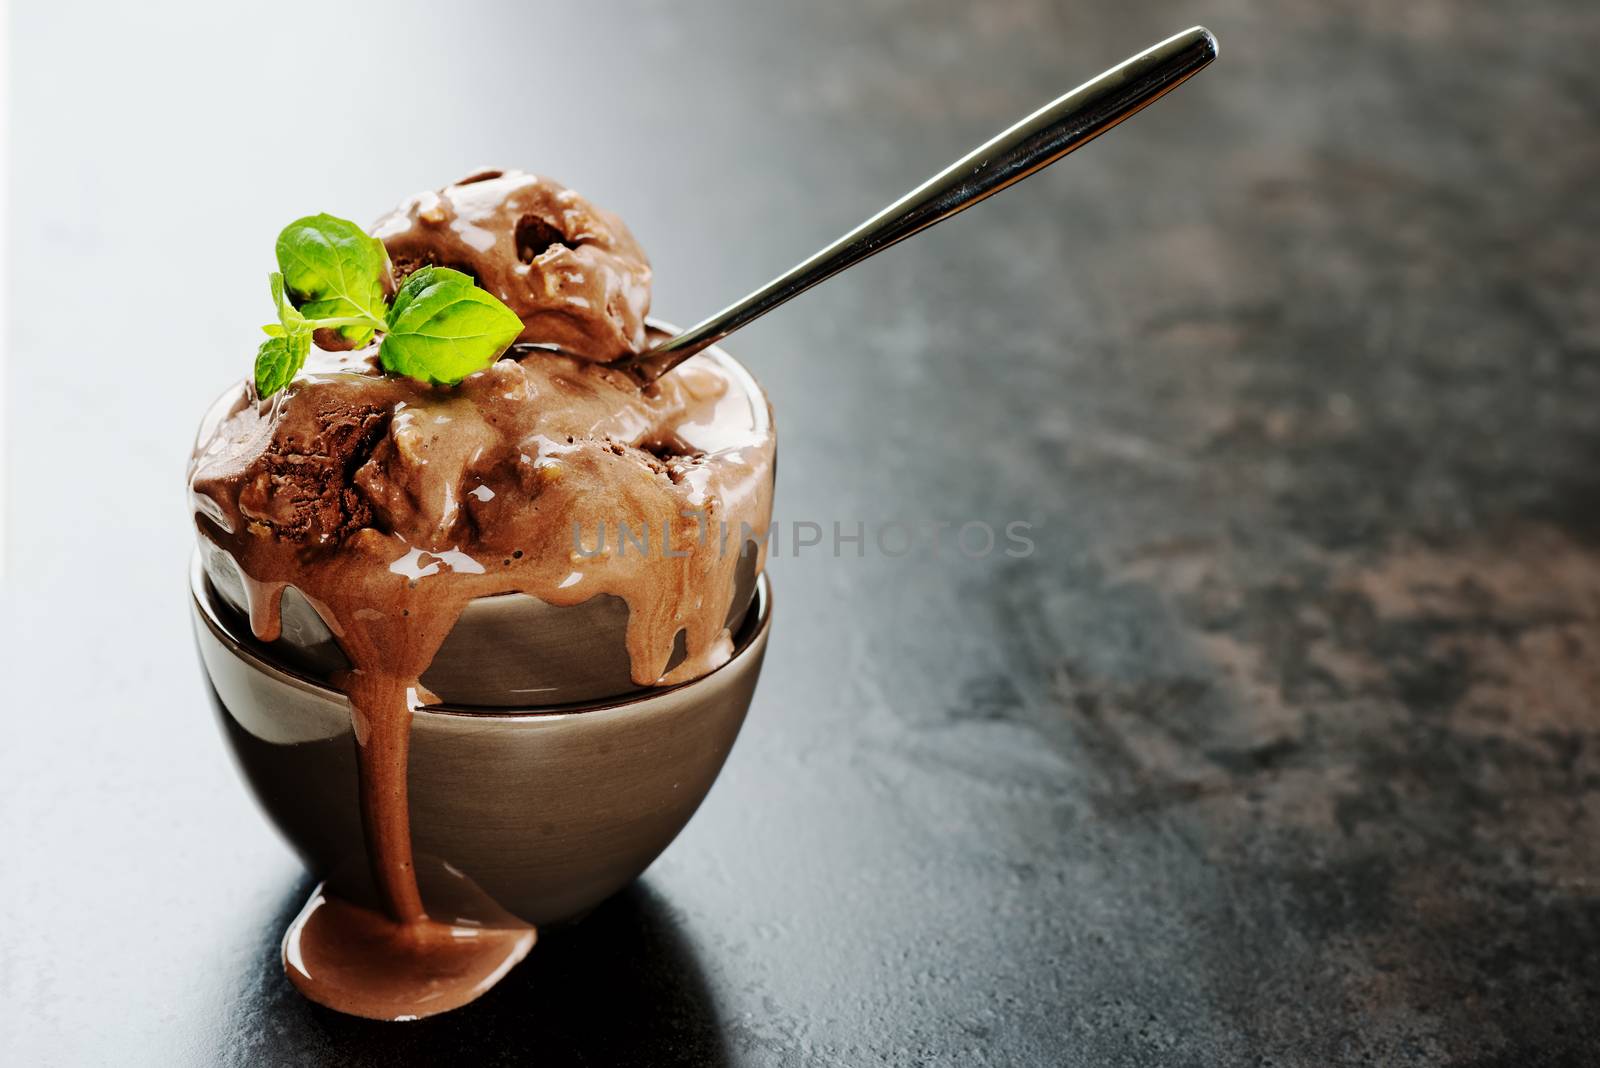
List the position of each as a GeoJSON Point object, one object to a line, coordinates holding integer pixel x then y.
{"type": "Point", "coordinates": [1032, 144]}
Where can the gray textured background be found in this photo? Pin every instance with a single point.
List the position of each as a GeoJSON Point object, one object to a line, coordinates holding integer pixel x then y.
{"type": "Point", "coordinates": [1282, 748]}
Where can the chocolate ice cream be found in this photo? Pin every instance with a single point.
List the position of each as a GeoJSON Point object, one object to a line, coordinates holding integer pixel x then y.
{"type": "Point", "coordinates": [572, 272]}
{"type": "Point", "coordinates": [391, 504]}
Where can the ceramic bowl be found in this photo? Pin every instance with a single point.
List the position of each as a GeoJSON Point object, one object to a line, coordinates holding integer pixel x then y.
{"type": "Point", "coordinates": [549, 811]}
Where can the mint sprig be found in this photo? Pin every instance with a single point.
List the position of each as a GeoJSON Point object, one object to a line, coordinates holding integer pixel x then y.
{"type": "Point", "coordinates": [440, 328]}
{"type": "Point", "coordinates": [277, 361]}
{"type": "Point", "coordinates": [441, 325]}
{"type": "Point", "coordinates": [334, 270]}
{"type": "Point", "coordinates": [288, 343]}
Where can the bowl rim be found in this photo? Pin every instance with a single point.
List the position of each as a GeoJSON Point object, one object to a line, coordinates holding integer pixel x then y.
{"type": "Point", "coordinates": [761, 404]}
{"type": "Point", "coordinates": [200, 594]}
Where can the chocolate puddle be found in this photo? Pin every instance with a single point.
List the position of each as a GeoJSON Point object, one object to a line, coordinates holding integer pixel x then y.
{"type": "Point", "coordinates": [355, 958]}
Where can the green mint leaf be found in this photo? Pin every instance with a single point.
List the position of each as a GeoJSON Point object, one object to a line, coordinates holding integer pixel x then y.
{"type": "Point", "coordinates": [442, 327]}
{"type": "Point", "coordinates": [333, 270]}
{"type": "Point", "coordinates": [277, 361]}
{"type": "Point", "coordinates": [293, 320]}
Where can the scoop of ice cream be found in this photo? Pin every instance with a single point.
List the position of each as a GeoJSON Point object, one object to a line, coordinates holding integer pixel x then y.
{"type": "Point", "coordinates": [483, 464]}
{"type": "Point", "coordinates": [572, 272]}
{"type": "Point", "coordinates": [289, 468]}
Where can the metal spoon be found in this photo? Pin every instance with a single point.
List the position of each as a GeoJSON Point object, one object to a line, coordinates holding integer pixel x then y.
{"type": "Point", "coordinates": [1031, 145]}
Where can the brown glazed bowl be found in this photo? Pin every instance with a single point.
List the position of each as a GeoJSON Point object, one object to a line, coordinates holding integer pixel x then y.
{"type": "Point", "coordinates": [549, 811]}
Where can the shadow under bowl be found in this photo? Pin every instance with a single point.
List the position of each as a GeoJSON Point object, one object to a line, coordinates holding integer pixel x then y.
{"type": "Point", "coordinates": [549, 811]}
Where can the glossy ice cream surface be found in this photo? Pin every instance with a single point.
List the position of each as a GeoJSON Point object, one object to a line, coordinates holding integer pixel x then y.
{"type": "Point", "coordinates": [572, 272]}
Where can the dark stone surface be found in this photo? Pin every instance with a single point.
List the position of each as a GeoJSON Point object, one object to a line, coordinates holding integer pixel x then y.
{"type": "Point", "coordinates": [1281, 748]}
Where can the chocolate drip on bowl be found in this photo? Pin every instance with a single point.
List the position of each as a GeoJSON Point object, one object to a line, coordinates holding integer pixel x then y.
{"type": "Point", "coordinates": [390, 506]}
